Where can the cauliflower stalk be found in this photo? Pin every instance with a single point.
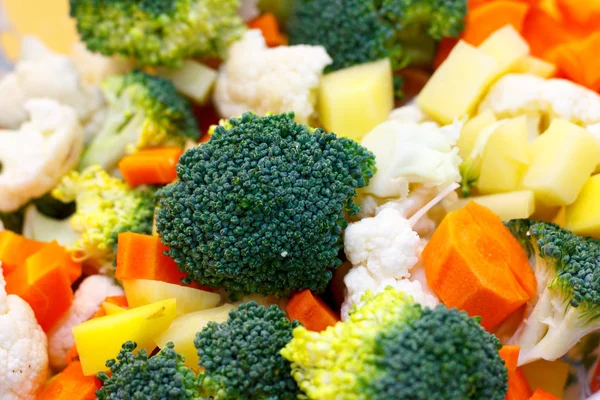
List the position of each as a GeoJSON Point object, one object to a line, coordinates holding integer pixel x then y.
{"type": "Point", "coordinates": [263, 80]}
{"type": "Point", "coordinates": [34, 158]}
{"type": "Point", "coordinates": [23, 348]}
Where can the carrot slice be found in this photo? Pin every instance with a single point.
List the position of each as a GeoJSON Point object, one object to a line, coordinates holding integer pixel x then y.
{"type": "Point", "coordinates": [311, 311]}
{"type": "Point", "coordinates": [542, 395]}
{"type": "Point", "coordinates": [155, 166]}
{"type": "Point", "coordinates": [14, 250]}
{"type": "Point", "coordinates": [60, 257]}
{"type": "Point", "coordinates": [468, 266]}
{"type": "Point", "coordinates": [510, 355]}
{"type": "Point", "coordinates": [268, 25]}
{"type": "Point", "coordinates": [71, 384]}
{"type": "Point", "coordinates": [544, 32]}
{"type": "Point", "coordinates": [489, 17]}
{"type": "Point", "coordinates": [576, 61]}
{"type": "Point", "coordinates": [583, 14]}
{"type": "Point", "coordinates": [518, 387]}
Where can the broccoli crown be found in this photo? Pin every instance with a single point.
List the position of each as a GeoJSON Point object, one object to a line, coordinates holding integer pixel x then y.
{"type": "Point", "coordinates": [241, 357]}
{"type": "Point", "coordinates": [260, 207]}
{"type": "Point", "coordinates": [359, 31]}
{"type": "Point", "coordinates": [137, 376]}
{"type": "Point", "coordinates": [106, 206]}
{"type": "Point", "coordinates": [158, 32]}
{"type": "Point", "coordinates": [391, 348]}
{"type": "Point", "coordinates": [143, 111]}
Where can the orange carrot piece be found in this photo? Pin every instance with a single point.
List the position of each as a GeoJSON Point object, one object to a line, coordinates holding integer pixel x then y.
{"type": "Point", "coordinates": [155, 166]}
{"type": "Point", "coordinates": [518, 387]}
{"type": "Point", "coordinates": [58, 256]}
{"type": "Point", "coordinates": [544, 32]}
{"type": "Point", "coordinates": [576, 61]}
{"type": "Point", "coordinates": [582, 14]}
{"type": "Point", "coordinates": [467, 265]}
{"type": "Point", "coordinates": [120, 301]}
{"type": "Point", "coordinates": [71, 384]}
{"type": "Point", "coordinates": [542, 395]}
{"type": "Point", "coordinates": [489, 17]}
{"type": "Point", "coordinates": [268, 25]}
{"type": "Point", "coordinates": [14, 250]}
{"type": "Point", "coordinates": [311, 311]}
{"type": "Point", "coordinates": [510, 355]}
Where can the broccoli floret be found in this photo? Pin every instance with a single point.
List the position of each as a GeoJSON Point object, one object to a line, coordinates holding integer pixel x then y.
{"type": "Point", "coordinates": [392, 348]}
{"type": "Point", "coordinates": [155, 32]}
{"type": "Point", "coordinates": [260, 207]}
{"type": "Point", "coordinates": [241, 357]}
{"type": "Point", "coordinates": [567, 305]}
{"type": "Point", "coordinates": [359, 31]}
{"type": "Point", "coordinates": [106, 206]}
{"type": "Point", "coordinates": [143, 111]}
{"type": "Point", "coordinates": [137, 376]}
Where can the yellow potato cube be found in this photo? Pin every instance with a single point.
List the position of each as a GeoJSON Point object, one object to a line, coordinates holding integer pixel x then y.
{"type": "Point", "coordinates": [470, 131]}
{"type": "Point", "coordinates": [551, 376]}
{"type": "Point", "coordinates": [583, 216]}
{"type": "Point", "coordinates": [506, 46]}
{"type": "Point", "coordinates": [110, 308]}
{"type": "Point", "coordinates": [562, 160]}
{"type": "Point", "coordinates": [100, 339]}
{"type": "Point", "coordinates": [183, 331]}
{"type": "Point", "coordinates": [507, 206]}
{"type": "Point", "coordinates": [458, 84]}
{"type": "Point", "coordinates": [354, 100]}
{"type": "Point", "coordinates": [505, 158]}
{"type": "Point", "coordinates": [193, 79]}
{"type": "Point", "coordinates": [534, 66]}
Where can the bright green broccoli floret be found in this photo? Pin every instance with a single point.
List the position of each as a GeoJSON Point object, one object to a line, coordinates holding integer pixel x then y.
{"type": "Point", "coordinates": [260, 207]}
{"type": "Point", "coordinates": [106, 206]}
{"type": "Point", "coordinates": [359, 31]}
{"type": "Point", "coordinates": [567, 268]}
{"type": "Point", "coordinates": [392, 348]}
{"type": "Point", "coordinates": [156, 32]}
{"type": "Point", "coordinates": [241, 357]}
{"type": "Point", "coordinates": [137, 376]}
{"type": "Point", "coordinates": [143, 111]}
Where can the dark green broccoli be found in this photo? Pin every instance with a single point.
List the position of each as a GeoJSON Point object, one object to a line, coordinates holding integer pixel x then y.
{"type": "Point", "coordinates": [567, 305]}
{"type": "Point", "coordinates": [143, 111]}
{"type": "Point", "coordinates": [359, 31]}
{"type": "Point", "coordinates": [137, 376]}
{"type": "Point", "coordinates": [156, 32]}
{"type": "Point", "coordinates": [260, 207]}
{"type": "Point", "coordinates": [241, 357]}
{"type": "Point", "coordinates": [392, 348]}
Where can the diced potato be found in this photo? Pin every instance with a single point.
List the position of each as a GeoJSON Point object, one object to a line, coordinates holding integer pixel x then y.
{"type": "Point", "coordinates": [550, 376]}
{"type": "Point", "coordinates": [458, 84]}
{"type": "Point", "coordinates": [110, 308]}
{"type": "Point", "coordinates": [505, 158]}
{"type": "Point", "coordinates": [507, 206]}
{"type": "Point", "coordinates": [354, 100]}
{"type": "Point", "coordinates": [100, 339]}
{"type": "Point", "coordinates": [583, 216]}
{"type": "Point", "coordinates": [534, 66]}
{"type": "Point", "coordinates": [140, 292]}
{"type": "Point", "coordinates": [560, 218]}
{"type": "Point", "coordinates": [470, 131]}
{"type": "Point", "coordinates": [183, 331]}
{"type": "Point", "coordinates": [194, 80]}
{"type": "Point", "coordinates": [562, 160]}
{"type": "Point", "coordinates": [507, 47]}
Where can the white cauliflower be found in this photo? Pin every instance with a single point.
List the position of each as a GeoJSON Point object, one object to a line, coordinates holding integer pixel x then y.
{"type": "Point", "coordinates": [23, 349]}
{"type": "Point", "coordinates": [41, 73]}
{"type": "Point", "coordinates": [410, 112]}
{"type": "Point", "coordinates": [382, 250]}
{"type": "Point", "coordinates": [88, 298]}
{"type": "Point", "coordinates": [248, 10]}
{"type": "Point", "coordinates": [94, 67]}
{"type": "Point", "coordinates": [262, 80]}
{"type": "Point", "coordinates": [35, 157]}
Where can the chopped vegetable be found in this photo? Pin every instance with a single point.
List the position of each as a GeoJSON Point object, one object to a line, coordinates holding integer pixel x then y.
{"type": "Point", "coordinates": [534, 66]}
{"type": "Point", "coordinates": [268, 25]}
{"type": "Point", "coordinates": [507, 206]}
{"type": "Point", "coordinates": [492, 16]}
{"type": "Point", "coordinates": [576, 62]}
{"type": "Point", "coordinates": [518, 387]}
{"type": "Point", "coordinates": [193, 79]}
{"type": "Point", "coordinates": [507, 47]}
{"type": "Point", "coordinates": [542, 395]}
{"type": "Point", "coordinates": [154, 166]}
{"type": "Point", "coordinates": [551, 376]}
{"type": "Point", "coordinates": [53, 253]}
{"type": "Point", "coordinates": [583, 216]}
{"type": "Point", "coordinates": [15, 249]}
{"type": "Point", "coordinates": [311, 311]}
{"type": "Point", "coordinates": [471, 130]}
{"type": "Point", "coordinates": [70, 384]}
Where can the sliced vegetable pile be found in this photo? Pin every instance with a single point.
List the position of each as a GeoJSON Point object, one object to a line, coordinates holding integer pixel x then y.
{"type": "Point", "coordinates": [308, 199]}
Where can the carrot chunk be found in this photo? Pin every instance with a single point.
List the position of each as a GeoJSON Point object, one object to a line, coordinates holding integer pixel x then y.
{"type": "Point", "coordinates": [489, 17]}
{"type": "Point", "coordinates": [71, 384]}
{"type": "Point", "coordinates": [311, 311]}
{"type": "Point", "coordinates": [155, 166]}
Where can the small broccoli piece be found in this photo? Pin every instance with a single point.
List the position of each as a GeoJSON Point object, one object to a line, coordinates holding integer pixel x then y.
{"type": "Point", "coordinates": [392, 348]}
{"type": "Point", "coordinates": [241, 357]}
{"type": "Point", "coordinates": [106, 206]}
{"type": "Point", "coordinates": [143, 111]}
{"type": "Point", "coordinates": [137, 376]}
{"type": "Point", "coordinates": [161, 32]}
{"type": "Point", "coordinates": [567, 305]}
{"type": "Point", "coordinates": [260, 207]}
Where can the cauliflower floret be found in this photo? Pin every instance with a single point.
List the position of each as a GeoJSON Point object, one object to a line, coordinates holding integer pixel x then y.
{"type": "Point", "coordinates": [248, 10]}
{"type": "Point", "coordinates": [88, 298]}
{"type": "Point", "coordinates": [283, 79]}
{"type": "Point", "coordinates": [36, 156]}
{"type": "Point", "coordinates": [410, 112]}
{"type": "Point", "coordinates": [40, 73]}
{"type": "Point", "coordinates": [23, 349]}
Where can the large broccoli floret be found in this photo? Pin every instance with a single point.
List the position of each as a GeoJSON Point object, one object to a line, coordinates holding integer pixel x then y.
{"type": "Point", "coordinates": [241, 357]}
{"type": "Point", "coordinates": [156, 32]}
{"type": "Point", "coordinates": [106, 206]}
{"type": "Point", "coordinates": [260, 207]}
{"type": "Point", "coordinates": [137, 376]}
{"type": "Point", "coordinates": [143, 111]}
{"type": "Point", "coordinates": [359, 31]}
{"type": "Point", "coordinates": [567, 305]}
{"type": "Point", "coordinates": [392, 348]}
